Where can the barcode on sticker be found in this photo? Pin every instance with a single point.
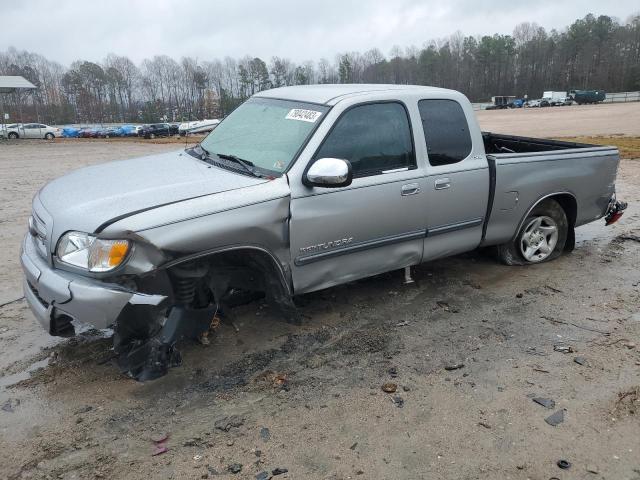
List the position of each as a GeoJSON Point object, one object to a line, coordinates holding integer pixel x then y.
{"type": "Point", "coordinates": [304, 115]}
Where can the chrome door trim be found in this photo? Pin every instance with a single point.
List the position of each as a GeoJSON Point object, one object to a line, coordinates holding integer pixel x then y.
{"type": "Point", "coordinates": [452, 227]}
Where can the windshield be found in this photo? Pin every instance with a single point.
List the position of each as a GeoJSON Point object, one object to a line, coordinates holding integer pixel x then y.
{"type": "Point", "coordinates": [266, 132]}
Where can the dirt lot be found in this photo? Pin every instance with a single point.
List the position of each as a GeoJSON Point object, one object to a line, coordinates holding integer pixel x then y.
{"type": "Point", "coordinates": [469, 346]}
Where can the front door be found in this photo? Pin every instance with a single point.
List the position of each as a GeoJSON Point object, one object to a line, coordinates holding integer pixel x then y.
{"type": "Point", "coordinates": [374, 225]}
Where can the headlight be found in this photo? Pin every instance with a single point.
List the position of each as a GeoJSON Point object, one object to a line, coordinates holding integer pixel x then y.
{"type": "Point", "coordinates": [91, 253]}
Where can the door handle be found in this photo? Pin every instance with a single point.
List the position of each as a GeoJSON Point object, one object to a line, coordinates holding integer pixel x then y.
{"type": "Point", "coordinates": [410, 189]}
{"type": "Point", "coordinates": [442, 183]}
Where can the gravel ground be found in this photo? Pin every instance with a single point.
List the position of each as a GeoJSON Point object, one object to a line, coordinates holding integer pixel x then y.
{"type": "Point", "coordinates": [468, 346]}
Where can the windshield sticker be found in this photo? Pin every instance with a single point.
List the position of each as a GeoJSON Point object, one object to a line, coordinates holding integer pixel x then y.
{"type": "Point", "coordinates": [303, 115]}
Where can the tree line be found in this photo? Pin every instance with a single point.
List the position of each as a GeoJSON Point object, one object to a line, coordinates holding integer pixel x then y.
{"type": "Point", "coordinates": [593, 52]}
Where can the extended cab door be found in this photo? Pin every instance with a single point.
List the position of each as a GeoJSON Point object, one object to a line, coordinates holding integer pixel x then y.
{"type": "Point", "coordinates": [374, 225]}
{"type": "Point", "coordinates": [457, 186]}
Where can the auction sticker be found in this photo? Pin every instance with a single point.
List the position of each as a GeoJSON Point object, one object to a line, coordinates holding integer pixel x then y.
{"type": "Point", "coordinates": [304, 115]}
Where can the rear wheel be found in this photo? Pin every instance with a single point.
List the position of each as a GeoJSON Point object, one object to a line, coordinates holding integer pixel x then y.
{"type": "Point", "coordinates": [49, 136]}
{"type": "Point", "coordinates": [152, 135]}
{"type": "Point", "coordinates": [13, 135]}
{"type": "Point", "coordinates": [541, 238]}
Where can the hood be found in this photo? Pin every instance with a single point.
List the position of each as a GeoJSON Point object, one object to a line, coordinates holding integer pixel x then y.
{"type": "Point", "coordinates": [91, 197]}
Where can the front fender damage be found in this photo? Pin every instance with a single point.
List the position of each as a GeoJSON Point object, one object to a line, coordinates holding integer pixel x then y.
{"type": "Point", "coordinates": [145, 335]}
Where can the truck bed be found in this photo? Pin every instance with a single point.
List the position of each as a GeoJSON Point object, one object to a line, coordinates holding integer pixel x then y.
{"type": "Point", "coordinates": [524, 170]}
{"type": "Point", "coordinates": [496, 143]}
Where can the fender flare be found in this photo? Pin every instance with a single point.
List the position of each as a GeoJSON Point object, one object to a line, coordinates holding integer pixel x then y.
{"type": "Point", "coordinates": [571, 215]}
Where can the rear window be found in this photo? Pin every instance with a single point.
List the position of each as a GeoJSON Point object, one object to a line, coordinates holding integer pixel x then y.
{"type": "Point", "coordinates": [446, 131]}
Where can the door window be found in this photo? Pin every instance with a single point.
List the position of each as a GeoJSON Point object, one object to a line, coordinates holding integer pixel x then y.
{"type": "Point", "coordinates": [446, 131]}
{"type": "Point", "coordinates": [375, 138]}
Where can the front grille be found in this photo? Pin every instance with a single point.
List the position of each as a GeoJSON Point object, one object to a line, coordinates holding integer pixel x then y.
{"type": "Point", "coordinates": [38, 230]}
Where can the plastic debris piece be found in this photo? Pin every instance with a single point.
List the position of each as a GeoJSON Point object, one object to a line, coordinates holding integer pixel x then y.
{"type": "Point", "coordinates": [564, 464]}
{"type": "Point", "coordinates": [265, 434]}
{"type": "Point", "coordinates": [545, 402]}
{"type": "Point", "coordinates": [563, 348]}
{"type": "Point", "coordinates": [555, 418]}
{"type": "Point", "coordinates": [581, 361]}
{"type": "Point", "coordinates": [234, 468]}
{"type": "Point", "coordinates": [453, 366]}
{"type": "Point", "coordinates": [159, 450]}
{"type": "Point", "coordinates": [279, 471]}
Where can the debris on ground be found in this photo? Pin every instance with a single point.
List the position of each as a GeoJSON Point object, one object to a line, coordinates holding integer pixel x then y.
{"type": "Point", "coordinates": [85, 409]}
{"type": "Point", "coordinates": [159, 437]}
{"type": "Point", "coordinates": [555, 419]}
{"type": "Point", "coordinates": [453, 366]}
{"type": "Point", "coordinates": [10, 405]}
{"type": "Point", "coordinates": [545, 402]}
{"type": "Point", "coordinates": [581, 361]}
{"type": "Point", "coordinates": [398, 401]}
{"type": "Point", "coordinates": [519, 295]}
{"type": "Point", "coordinates": [227, 423]}
{"type": "Point", "coordinates": [446, 307]}
{"type": "Point", "coordinates": [263, 475]}
{"type": "Point", "coordinates": [485, 425]}
{"type": "Point", "coordinates": [393, 372]}
{"type": "Point", "coordinates": [402, 324]}
{"type": "Point", "coordinates": [234, 468]}
{"type": "Point", "coordinates": [630, 345]}
{"type": "Point", "coordinates": [159, 444]}
{"type": "Point", "coordinates": [279, 471]}
{"type": "Point", "coordinates": [564, 464]}
{"type": "Point", "coordinates": [389, 387]}
{"type": "Point", "coordinates": [353, 447]}
{"type": "Point", "coordinates": [592, 469]}
{"type": "Point", "coordinates": [628, 401]}
{"type": "Point", "coordinates": [563, 348]}
{"type": "Point", "coordinates": [159, 449]}
{"type": "Point", "coordinates": [265, 434]}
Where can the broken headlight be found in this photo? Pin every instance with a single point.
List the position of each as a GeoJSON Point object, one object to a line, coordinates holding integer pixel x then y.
{"type": "Point", "coordinates": [93, 254]}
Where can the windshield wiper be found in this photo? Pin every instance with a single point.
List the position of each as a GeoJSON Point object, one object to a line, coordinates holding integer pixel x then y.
{"type": "Point", "coordinates": [246, 164]}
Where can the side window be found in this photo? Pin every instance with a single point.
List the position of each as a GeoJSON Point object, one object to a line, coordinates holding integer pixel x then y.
{"type": "Point", "coordinates": [374, 138]}
{"type": "Point", "coordinates": [446, 131]}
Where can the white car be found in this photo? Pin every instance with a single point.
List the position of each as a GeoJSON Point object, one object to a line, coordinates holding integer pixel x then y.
{"type": "Point", "coordinates": [533, 103]}
{"type": "Point", "coordinates": [32, 130]}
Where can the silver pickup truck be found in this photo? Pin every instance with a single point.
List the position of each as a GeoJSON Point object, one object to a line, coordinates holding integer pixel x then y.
{"type": "Point", "coordinates": [299, 189]}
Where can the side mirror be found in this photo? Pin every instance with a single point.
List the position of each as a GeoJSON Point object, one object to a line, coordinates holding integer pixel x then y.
{"type": "Point", "coordinates": [329, 173]}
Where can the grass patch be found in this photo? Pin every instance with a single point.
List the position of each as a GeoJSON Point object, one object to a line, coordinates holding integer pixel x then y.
{"type": "Point", "coordinates": [629, 147]}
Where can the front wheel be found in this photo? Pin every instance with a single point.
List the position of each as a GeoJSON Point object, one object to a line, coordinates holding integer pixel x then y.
{"type": "Point", "coordinates": [49, 136]}
{"type": "Point", "coordinates": [13, 135]}
{"type": "Point", "coordinates": [541, 238]}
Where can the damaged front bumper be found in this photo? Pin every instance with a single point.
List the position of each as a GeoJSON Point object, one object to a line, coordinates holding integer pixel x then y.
{"type": "Point", "coordinates": [58, 298]}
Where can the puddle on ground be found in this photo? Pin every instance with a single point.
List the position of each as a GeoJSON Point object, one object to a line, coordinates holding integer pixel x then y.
{"type": "Point", "coordinates": [12, 379]}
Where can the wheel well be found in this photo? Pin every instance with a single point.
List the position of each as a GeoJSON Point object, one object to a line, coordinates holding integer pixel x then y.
{"type": "Point", "coordinates": [218, 273]}
{"type": "Point", "coordinates": [569, 205]}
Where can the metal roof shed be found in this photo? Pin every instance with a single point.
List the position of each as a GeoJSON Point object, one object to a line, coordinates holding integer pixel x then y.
{"type": "Point", "coordinates": [13, 84]}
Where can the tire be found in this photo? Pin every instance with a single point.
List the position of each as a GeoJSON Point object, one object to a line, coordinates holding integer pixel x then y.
{"type": "Point", "coordinates": [13, 135]}
{"type": "Point", "coordinates": [152, 135]}
{"type": "Point", "coordinates": [49, 136]}
{"type": "Point", "coordinates": [541, 238]}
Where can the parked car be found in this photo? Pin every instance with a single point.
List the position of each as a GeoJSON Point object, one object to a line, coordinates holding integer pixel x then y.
{"type": "Point", "coordinates": [154, 130]}
{"type": "Point", "coordinates": [533, 103]}
{"type": "Point", "coordinates": [88, 132]}
{"type": "Point", "coordinates": [553, 98]}
{"type": "Point", "coordinates": [109, 132]}
{"type": "Point", "coordinates": [299, 189]}
{"type": "Point", "coordinates": [32, 130]}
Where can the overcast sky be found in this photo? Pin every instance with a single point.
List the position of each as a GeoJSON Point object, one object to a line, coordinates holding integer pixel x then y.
{"type": "Point", "coordinates": [298, 29]}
